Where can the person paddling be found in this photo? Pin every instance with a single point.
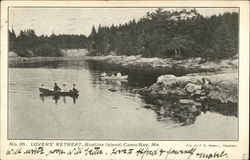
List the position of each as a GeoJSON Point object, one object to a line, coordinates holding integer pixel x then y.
{"type": "Point", "coordinates": [56, 88]}
{"type": "Point", "coordinates": [64, 89]}
{"type": "Point", "coordinates": [74, 88]}
{"type": "Point", "coordinates": [118, 74]}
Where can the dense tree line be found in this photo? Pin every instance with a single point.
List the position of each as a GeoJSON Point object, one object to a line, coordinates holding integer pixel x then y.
{"type": "Point", "coordinates": [27, 43]}
{"type": "Point", "coordinates": [183, 33]}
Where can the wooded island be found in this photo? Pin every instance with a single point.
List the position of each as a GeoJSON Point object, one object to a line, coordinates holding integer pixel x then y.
{"type": "Point", "coordinates": [163, 34]}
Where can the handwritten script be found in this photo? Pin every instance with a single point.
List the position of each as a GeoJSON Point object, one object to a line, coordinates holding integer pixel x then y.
{"type": "Point", "coordinates": [139, 152]}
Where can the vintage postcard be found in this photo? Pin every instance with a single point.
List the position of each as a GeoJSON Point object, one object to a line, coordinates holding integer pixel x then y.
{"type": "Point", "coordinates": [124, 80]}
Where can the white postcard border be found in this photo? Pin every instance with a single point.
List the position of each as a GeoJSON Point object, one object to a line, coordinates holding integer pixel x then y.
{"type": "Point", "coordinates": [241, 146]}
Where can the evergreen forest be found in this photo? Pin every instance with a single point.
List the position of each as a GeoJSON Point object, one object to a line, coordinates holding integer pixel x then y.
{"type": "Point", "coordinates": [176, 34]}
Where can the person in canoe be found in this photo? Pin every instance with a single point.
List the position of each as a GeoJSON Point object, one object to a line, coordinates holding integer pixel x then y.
{"type": "Point", "coordinates": [64, 89]}
{"type": "Point", "coordinates": [104, 74]}
{"type": "Point", "coordinates": [118, 74]}
{"type": "Point", "coordinates": [42, 86]}
{"type": "Point", "coordinates": [74, 88]}
{"type": "Point", "coordinates": [56, 88]}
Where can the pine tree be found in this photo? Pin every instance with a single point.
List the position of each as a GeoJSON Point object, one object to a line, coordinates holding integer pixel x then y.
{"type": "Point", "coordinates": [224, 44]}
{"type": "Point", "coordinates": [12, 39]}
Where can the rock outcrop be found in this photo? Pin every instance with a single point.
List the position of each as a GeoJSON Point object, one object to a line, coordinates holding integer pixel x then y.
{"type": "Point", "coordinates": [220, 87]}
{"type": "Point", "coordinates": [193, 64]}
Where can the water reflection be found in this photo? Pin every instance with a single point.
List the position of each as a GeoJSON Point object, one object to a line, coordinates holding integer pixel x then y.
{"type": "Point", "coordinates": [56, 98]}
{"type": "Point", "coordinates": [104, 105]}
{"type": "Point", "coordinates": [138, 77]}
{"type": "Point", "coordinates": [185, 111]}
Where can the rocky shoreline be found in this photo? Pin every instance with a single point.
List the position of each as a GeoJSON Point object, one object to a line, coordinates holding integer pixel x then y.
{"type": "Point", "coordinates": [184, 98]}
{"type": "Point", "coordinates": [195, 64]}
{"type": "Point", "coordinates": [212, 81]}
{"type": "Point", "coordinates": [220, 87]}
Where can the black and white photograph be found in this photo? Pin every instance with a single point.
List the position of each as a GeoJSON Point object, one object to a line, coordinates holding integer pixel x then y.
{"type": "Point", "coordinates": [123, 73]}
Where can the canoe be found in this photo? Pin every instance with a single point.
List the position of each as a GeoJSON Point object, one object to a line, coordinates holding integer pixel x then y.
{"type": "Point", "coordinates": [48, 92]}
{"type": "Point", "coordinates": [125, 77]}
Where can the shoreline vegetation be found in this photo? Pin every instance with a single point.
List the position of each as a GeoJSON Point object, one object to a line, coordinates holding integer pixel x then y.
{"type": "Point", "coordinates": [184, 39]}
{"type": "Point", "coordinates": [163, 34]}
{"type": "Point", "coordinates": [197, 65]}
{"type": "Point", "coordinates": [212, 80]}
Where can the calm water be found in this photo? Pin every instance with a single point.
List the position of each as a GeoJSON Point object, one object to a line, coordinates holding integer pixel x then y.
{"type": "Point", "coordinates": [99, 114]}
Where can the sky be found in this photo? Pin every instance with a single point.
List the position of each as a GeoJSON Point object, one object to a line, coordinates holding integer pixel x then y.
{"type": "Point", "coordinates": [81, 20]}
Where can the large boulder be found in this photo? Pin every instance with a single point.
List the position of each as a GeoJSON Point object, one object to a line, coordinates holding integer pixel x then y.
{"type": "Point", "coordinates": [171, 80]}
{"type": "Point", "coordinates": [221, 87]}
{"type": "Point", "coordinates": [172, 85]}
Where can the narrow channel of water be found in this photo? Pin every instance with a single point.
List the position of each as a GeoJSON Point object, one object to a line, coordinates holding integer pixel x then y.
{"type": "Point", "coordinates": [105, 110]}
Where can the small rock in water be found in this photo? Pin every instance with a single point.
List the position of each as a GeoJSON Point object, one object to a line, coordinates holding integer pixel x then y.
{"type": "Point", "coordinates": [112, 90]}
{"type": "Point", "coordinates": [147, 106]}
